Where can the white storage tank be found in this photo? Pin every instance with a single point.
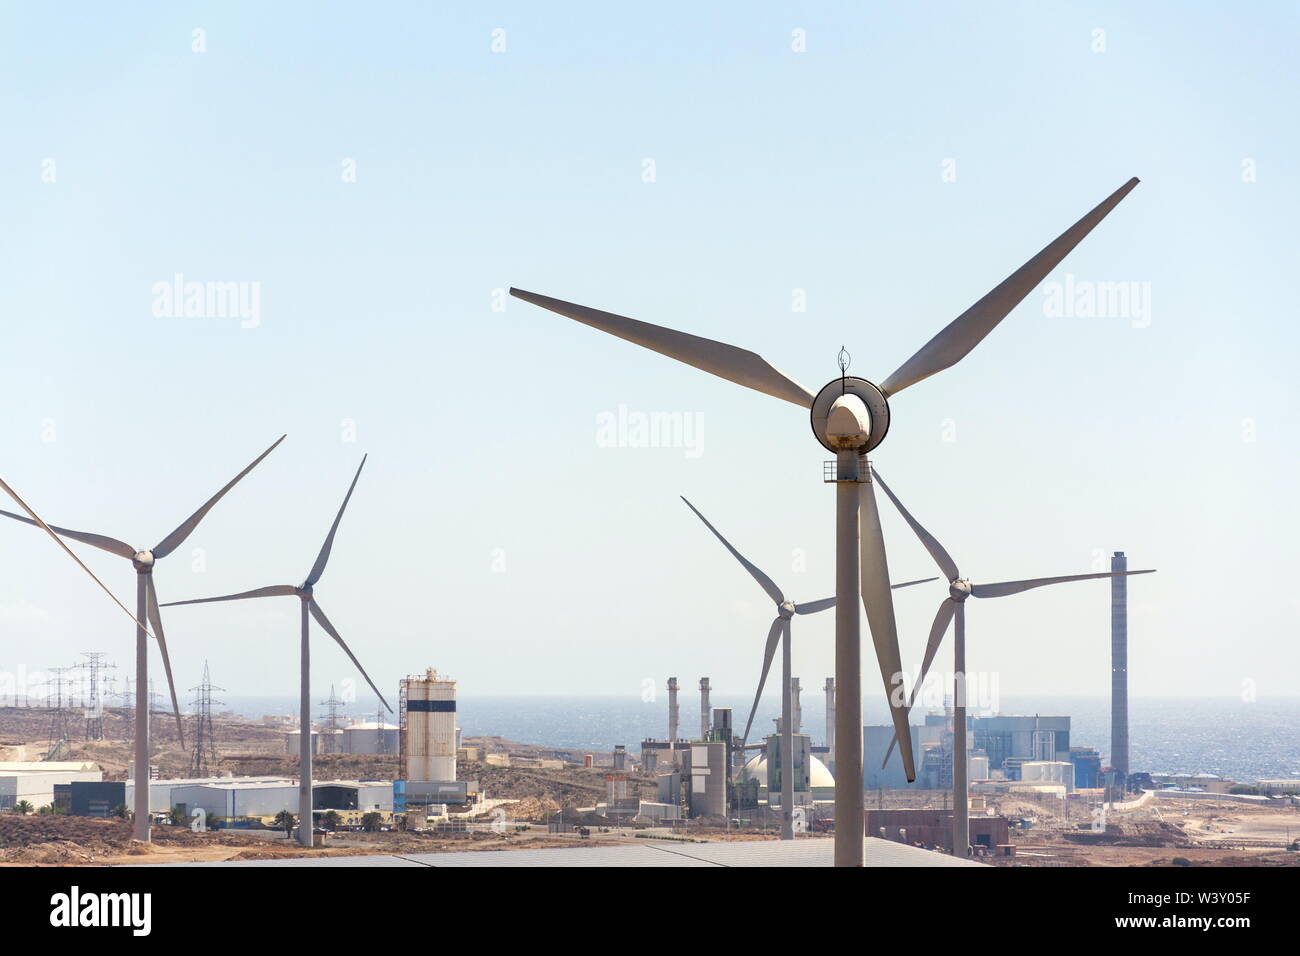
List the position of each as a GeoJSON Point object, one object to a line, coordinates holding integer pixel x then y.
{"type": "Point", "coordinates": [429, 727]}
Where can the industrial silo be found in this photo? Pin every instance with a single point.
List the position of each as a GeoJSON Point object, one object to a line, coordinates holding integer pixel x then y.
{"type": "Point", "coordinates": [429, 727]}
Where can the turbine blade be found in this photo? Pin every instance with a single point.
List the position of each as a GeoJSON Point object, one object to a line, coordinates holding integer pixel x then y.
{"type": "Point", "coordinates": [766, 583]}
{"type": "Point", "coordinates": [175, 539]}
{"type": "Point", "coordinates": [155, 618]}
{"type": "Point", "coordinates": [947, 607]}
{"type": "Point", "coordinates": [725, 361]}
{"type": "Point", "coordinates": [773, 640]}
{"type": "Point", "coordinates": [941, 557]}
{"type": "Point", "coordinates": [879, 603]}
{"type": "Point", "coordinates": [35, 520]}
{"type": "Point", "coordinates": [908, 584]}
{"type": "Point", "coordinates": [1003, 588]}
{"type": "Point", "coordinates": [318, 568]}
{"type": "Point", "coordinates": [969, 329]}
{"type": "Point", "coordinates": [324, 622]}
{"type": "Point", "coordinates": [275, 590]}
{"type": "Point", "coordinates": [812, 607]}
{"type": "Point", "coordinates": [103, 542]}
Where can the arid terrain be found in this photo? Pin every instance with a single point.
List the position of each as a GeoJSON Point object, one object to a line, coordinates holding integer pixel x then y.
{"type": "Point", "coordinates": [1046, 831]}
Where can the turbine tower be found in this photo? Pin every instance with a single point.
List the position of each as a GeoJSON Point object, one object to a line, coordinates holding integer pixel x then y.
{"type": "Point", "coordinates": [146, 604]}
{"type": "Point", "coordinates": [830, 723]}
{"type": "Point", "coordinates": [850, 417]}
{"type": "Point", "coordinates": [779, 632]}
{"type": "Point", "coordinates": [796, 707]}
{"type": "Point", "coordinates": [959, 589]}
{"type": "Point", "coordinates": [1119, 664]}
{"type": "Point", "coordinates": [308, 606]}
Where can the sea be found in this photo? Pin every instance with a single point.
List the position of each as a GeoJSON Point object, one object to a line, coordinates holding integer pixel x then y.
{"type": "Point", "coordinates": [1244, 740]}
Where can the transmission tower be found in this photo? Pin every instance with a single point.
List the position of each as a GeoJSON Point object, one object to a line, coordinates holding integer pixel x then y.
{"type": "Point", "coordinates": [92, 666]}
{"type": "Point", "coordinates": [60, 730]}
{"type": "Point", "coordinates": [331, 717]}
{"type": "Point", "coordinates": [203, 757]}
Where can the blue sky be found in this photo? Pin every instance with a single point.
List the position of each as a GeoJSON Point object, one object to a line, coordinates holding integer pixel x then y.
{"type": "Point", "coordinates": [492, 535]}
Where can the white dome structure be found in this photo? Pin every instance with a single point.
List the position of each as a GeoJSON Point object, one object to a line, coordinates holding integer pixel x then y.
{"type": "Point", "coordinates": [822, 781]}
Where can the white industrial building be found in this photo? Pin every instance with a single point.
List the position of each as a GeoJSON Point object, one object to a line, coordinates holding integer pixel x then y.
{"type": "Point", "coordinates": [162, 792]}
{"type": "Point", "coordinates": [236, 797]}
{"type": "Point", "coordinates": [35, 781]}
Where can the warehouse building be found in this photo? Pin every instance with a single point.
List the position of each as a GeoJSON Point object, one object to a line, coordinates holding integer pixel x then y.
{"type": "Point", "coordinates": [162, 792]}
{"type": "Point", "coordinates": [34, 782]}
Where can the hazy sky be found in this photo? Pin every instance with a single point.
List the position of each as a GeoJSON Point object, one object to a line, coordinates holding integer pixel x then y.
{"type": "Point", "coordinates": [378, 174]}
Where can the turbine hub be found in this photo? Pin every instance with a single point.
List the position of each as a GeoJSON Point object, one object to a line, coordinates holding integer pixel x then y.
{"type": "Point", "coordinates": [850, 414]}
{"type": "Point", "coordinates": [959, 590]}
{"type": "Point", "coordinates": [143, 561]}
{"type": "Point", "coordinates": [785, 610]}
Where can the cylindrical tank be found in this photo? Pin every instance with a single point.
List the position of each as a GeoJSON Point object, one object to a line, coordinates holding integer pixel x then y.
{"type": "Point", "coordinates": [430, 727]}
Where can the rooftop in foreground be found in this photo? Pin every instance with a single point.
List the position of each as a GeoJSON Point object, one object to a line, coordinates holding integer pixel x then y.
{"type": "Point", "coordinates": [817, 851]}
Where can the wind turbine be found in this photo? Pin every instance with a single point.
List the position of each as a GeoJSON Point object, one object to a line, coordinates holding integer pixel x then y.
{"type": "Point", "coordinates": [779, 631]}
{"type": "Point", "coordinates": [309, 605]}
{"type": "Point", "coordinates": [850, 417]}
{"type": "Point", "coordinates": [146, 603]}
{"type": "Point", "coordinates": [954, 606]}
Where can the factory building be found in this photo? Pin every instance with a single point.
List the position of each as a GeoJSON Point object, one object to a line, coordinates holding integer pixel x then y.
{"type": "Point", "coordinates": [705, 765]}
{"type": "Point", "coordinates": [878, 775]}
{"type": "Point", "coordinates": [234, 798]}
{"type": "Point", "coordinates": [933, 828]}
{"type": "Point", "coordinates": [162, 793]}
{"type": "Point", "coordinates": [34, 782]}
{"type": "Point", "coordinates": [1087, 767]}
{"type": "Point", "coordinates": [1032, 737]}
{"type": "Point", "coordinates": [93, 798]}
{"type": "Point", "coordinates": [998, 747]}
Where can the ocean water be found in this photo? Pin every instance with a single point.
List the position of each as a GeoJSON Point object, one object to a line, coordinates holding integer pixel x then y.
{"type": "Point", "coordinates": [1225, 736]}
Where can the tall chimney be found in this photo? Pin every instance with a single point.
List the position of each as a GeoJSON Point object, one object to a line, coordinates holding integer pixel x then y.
{"type": "Point", "coordinates": [1119, 665]}
{"type": "Point", "coordinates": [704, 708]}
{"type": "Point", "coordinates": [830, 721]}
{"type": "Point", "coordinates": [672, 709]}
{"type": "Point", "coordinates": [796, 711]}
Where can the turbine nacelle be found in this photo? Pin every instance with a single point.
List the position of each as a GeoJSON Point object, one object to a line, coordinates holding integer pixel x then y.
{"type": "Point", "coordinates": [850, 414]}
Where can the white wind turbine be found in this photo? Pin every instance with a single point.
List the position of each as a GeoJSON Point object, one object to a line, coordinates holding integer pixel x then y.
{"type": "Point", "coordinates": [146, 602]}
{"type": "Point", "coordinates": [850, 417]}
{"type": "Point", "coordinates": [954, 606]}
{"type": "Point", "coordinates": [309, 605]}
{"type": "Point", "coordinates": [780, 631]}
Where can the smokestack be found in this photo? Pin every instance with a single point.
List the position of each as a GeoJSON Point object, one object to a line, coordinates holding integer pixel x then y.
{"type": "Point", "coordinates": [672, 709]}
{"type": "Point", "coordinates": [1119, 665]}
{"type": "Point", "coordinates": [704, 708]}
{"type": "Point", "coordinates": [796, 711]}
{"type": "Point", "coordinates": [830, 720]}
